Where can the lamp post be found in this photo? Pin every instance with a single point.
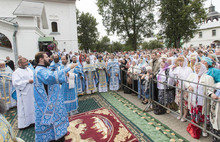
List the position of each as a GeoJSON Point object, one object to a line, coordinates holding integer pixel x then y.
{"type": "Point", "coordinates": [15, 42]}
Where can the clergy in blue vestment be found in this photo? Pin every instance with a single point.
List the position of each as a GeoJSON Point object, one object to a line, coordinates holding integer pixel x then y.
{"type": "Point", "coordinates": [102, 76]}
{"type": "Point", "coordinates": [90, 76]}
{"type": "Point", "coordinates": [113, 73]}
{"type": "Point", "coordinates": [55, 63]}
{"type": "Point", "coordinates": [6, 131]}
{"type": "Point", "coordinates": [51, 117]}
{"type": "Point", "coordinates": [69, 89]}
{"type": "Point", "coordinates": [6, 88]}
{"type": "Point", "coordinates": [80, 76]}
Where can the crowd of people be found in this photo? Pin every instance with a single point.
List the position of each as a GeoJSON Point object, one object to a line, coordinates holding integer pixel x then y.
{"type": "Point", "coordinates": [46, 89]}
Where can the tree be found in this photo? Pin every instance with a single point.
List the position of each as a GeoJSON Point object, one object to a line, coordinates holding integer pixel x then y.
{"type": "Point", "coordinates": [103, 45]}
{"type": "Point", "coordinates": [87, 31]}
{"type": "Point", "coordinates": [117, 46]}
{"type": "Point", "coordinates": [153, 44]}
{"type": "Point", "coordinates": [145, 45]}
{"type": "Point", "coordinates": [131, 19]}
{"type": "Point", "coordinates": [180, 19]}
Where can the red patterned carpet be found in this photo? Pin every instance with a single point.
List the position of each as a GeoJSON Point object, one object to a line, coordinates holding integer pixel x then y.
{"type": "Point", "coordinates": [100, 125]}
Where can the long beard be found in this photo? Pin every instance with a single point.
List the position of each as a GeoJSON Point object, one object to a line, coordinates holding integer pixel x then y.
{"type": "Point", "coordinates": [56, 60]}
{"type": "Point", "coordinates": [47, 64]}
{"type": "Point", "coordinates": [64, 63]}
{"type": "Point", "coordinates": [23, 67]}
{"type": "Point", "coordinates": [88, 62]}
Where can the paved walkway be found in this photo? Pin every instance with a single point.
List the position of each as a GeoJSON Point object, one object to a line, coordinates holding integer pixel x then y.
{"type": "Point", "coordinates": [167, 119]}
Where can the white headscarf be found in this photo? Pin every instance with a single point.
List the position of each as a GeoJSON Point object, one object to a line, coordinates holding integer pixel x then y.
{"type": "Point", "coordinates": [184, 71]}
{"type": "Point", "coordinates": [202, 70]}
{"type": "Point", "coordinates": [136, 61]}
{"type": "Point", "coordinates": [135, 67]}
{"type": "Point", "coordinates": [172, 60]}
{"type": "Point", "coordinates": [185, 63]}
{"type": "Point", "coordinates": [197, 100]}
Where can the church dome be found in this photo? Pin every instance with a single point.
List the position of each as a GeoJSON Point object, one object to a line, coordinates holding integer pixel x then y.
{"type": "Point", "coordinates": [215, 13]}
{"type": "Point", "coordinates": [212, 15]}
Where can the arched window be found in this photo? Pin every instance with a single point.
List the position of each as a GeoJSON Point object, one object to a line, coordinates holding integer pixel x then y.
{"type": "Point", "coordinates": [54, 27]}
{"type": "Point", "coordinates": [4, 41]}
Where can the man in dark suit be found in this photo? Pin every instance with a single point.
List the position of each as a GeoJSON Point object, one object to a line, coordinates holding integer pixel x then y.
{"type": "Point", "coordinates": [10, 63]}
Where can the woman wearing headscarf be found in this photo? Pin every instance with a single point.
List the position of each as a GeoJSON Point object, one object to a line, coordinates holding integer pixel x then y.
{"type": "Point", "coordinates": [133, 72]}
{"type": "Point", "coordinates": [141, 83]}
{"type": "Point", "coordinates": [165, 96]}
{"type": "Point", "coordinates": [214, 72]}
{"type": "Point", "coordinates": [173, 64]}
{"type": "Point", "coordinates": [163, 58]}
{"type": "Point", "coordinates": [128, 63]}
{"type": "Point", "coordinates": [196, 102]}
{"type": "Point", "coordinates": [193, 61]}
{"type": "Point", "coordinates": [142, 63]}
{"type": "Point", "coordinates": [214, 58]}
{"type": "Point", "coordinates": [147, 84]}
{"type": "Point", "coordinates": [170, 61]}
{"type": "Point", "coordinates": [182, 72]}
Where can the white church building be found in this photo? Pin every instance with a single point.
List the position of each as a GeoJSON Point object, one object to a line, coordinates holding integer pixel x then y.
{"type": "Point", "coordinates": [209, 32]}
{"type": "Point", "coordinates": [30, 26]}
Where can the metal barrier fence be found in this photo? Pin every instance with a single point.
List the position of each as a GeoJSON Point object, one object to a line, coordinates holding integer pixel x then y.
{"type": "Point", "coordinates": [152, 95]}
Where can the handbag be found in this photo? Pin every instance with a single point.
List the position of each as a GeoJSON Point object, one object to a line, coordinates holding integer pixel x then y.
{"type": "Point", "coordinates": [158, 110]}
{"type": "Point", "coordinates": [193, 130]}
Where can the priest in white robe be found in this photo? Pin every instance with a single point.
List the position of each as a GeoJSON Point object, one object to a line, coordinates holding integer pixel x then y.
{"type": "Point", "coordinates": [22, 80]}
